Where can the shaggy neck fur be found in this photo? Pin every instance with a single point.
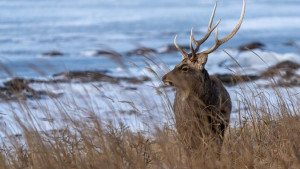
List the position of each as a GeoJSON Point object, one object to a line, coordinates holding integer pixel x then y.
{"type": "Point", "coordinates": [207, 92]}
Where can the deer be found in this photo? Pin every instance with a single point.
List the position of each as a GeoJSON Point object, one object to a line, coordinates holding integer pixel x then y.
{"type": "Point", "coordinates": [202, 105]}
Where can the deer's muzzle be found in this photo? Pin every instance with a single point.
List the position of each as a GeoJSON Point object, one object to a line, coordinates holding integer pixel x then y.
{"type": "Point", "coordinates": [167, 81]}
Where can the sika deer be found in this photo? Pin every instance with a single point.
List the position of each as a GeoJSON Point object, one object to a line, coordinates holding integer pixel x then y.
{"type": "Point", "coordinates": [202, 105]}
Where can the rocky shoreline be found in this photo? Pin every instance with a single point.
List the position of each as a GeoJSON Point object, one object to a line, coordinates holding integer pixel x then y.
{"type": "Point", "coordinates": [145, 51]}
{"type": "Point", "coordinates": [283, 74]}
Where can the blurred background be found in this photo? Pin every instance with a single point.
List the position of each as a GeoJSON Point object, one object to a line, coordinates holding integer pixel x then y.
{"type": "Point", "coordinates": [60, 35]}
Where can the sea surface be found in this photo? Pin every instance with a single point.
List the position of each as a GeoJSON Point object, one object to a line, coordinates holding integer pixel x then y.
{"type": "Point", "coordinates": [77, 28]}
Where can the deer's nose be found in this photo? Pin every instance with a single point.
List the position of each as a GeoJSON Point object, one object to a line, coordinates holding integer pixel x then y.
{"type": "Point", "coordinates": [167, 81]}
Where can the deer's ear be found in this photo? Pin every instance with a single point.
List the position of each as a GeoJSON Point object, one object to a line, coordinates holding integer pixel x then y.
{"type": "Point", "coordinates": [201, 60]}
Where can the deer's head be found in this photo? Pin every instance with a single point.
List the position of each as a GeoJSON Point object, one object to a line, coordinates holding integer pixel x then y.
{"type": "Point", "coordinates": [190, 72]}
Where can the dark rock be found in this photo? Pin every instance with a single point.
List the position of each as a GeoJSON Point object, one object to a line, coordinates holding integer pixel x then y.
{"type": "Point", "coordinates": [111, 54]}
{"type": "Point", "coordinates": [287, 64]}
{"type": "Point", "coordinates": [106, 52]}
{"type": "Point", "coordinates": [52, 53]}
{"type": "Point", "coordinates": [285, 74]}
{"type": "Point", "coordinates": [87, 76]}
{"type": "Point", "coordinates": [232, 80]}
{"type": "Point", "coordinates": [20, 83]}
{"type": "Point", "coordinates": [144, 51]}
{"type": "Point", "coordinates": [251, 46]}
{"type": "Point", "coordinates": [291, 43]}
{"type": "Point", "coordinates": [134, 80]}
{"type": "Point", "coordinates": [171, 48]}
{"type": "Point", "coordinates": [168, 34]}
{"type": "Point", "coordinates": [18, 88]}
{"type": "Point", "coordinates": [98, 76]}
{"type": "Point", "coordinates": [50, 81]}
{"type": "Point", "coordinates": [288, 83]}
{"type": "Point", "coordinates": [283, 83]}
{"type": "Point", "coordinates": [79, 73]}
{"type": "Point", "coordinates": [285, 69]}
{"type": "Point", "coordinates": [103, 52]}
{"type": "Point", "coordinates": [17, 85]}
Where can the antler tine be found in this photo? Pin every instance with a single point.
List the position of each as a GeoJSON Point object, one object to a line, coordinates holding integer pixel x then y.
{"type": "Point", "coordinates": [212, 15]}
{"type": "Point", "coordinates": [220, 42]}
{"type": "Point", "coordinates": [191, 46]}
{"type": "Point", "coordinates": [183, 53]}
{"type": "Point", "coordinates": [209, 30]}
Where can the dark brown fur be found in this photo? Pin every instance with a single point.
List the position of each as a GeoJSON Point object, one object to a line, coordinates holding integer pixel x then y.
{"type": "Point", "coordinates": [202, 105]}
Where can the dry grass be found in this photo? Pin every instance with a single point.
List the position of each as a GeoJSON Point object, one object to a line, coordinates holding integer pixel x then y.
{"type": "Point", "coordinates": [268, 138]}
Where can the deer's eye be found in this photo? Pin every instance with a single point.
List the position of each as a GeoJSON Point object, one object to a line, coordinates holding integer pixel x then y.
{"type": "Point", "coordinates": [185, 68]}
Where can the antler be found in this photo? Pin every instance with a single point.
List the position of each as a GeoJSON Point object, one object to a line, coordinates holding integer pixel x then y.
{"type": "Point", "coordinates": [184, 54]}
{"type": "Point", "coordinates": [194, 55]}
{"type": "Point", "coordinates": [220, 42]}
{"type": "Point", "coordinates": [209, 30]}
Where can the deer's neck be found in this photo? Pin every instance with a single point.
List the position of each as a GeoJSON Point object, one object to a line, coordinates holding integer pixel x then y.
{"type": "Point", "coordinates": [207, 92]}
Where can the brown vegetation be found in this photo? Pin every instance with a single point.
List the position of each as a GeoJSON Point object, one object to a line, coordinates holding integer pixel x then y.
{"type": "Point", "coordinates": [263, 137]}
{"type": "Point", "coordinates": [266, 135]}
